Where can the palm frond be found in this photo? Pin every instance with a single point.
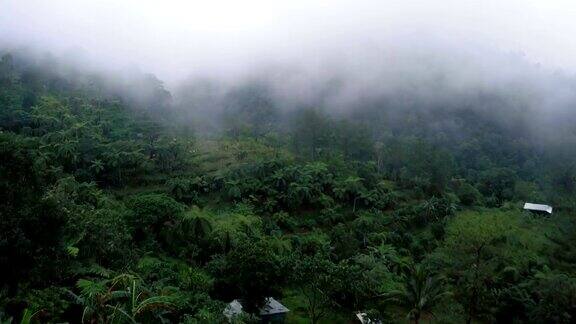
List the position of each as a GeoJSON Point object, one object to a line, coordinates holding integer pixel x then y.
{"type": "Point", "coordinates": [121, 311]}
{"type": "Point", "coordinates": [90, 288]}
{"type": "Point", "coordinates": [153, 302]}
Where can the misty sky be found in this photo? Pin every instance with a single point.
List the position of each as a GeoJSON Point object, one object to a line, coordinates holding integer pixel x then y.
{"type": "Point", "coordinates": [177, 38]}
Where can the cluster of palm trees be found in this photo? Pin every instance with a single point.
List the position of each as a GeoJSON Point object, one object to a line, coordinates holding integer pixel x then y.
{"type": "Point", "coordinates": [81, 143]}
{"type": "Point", "coordinates": [278, 185]}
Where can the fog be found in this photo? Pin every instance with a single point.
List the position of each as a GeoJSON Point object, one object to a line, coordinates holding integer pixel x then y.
{"type": "Point", "coordinates": [337, 54]}
{"type": "Point", "coordinates": [175, 39]}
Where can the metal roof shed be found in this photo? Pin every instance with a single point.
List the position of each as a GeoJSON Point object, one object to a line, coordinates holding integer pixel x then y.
{"type": "Point", "coordinates": [272, 311]}
{"type": "Point", "coordinates": [273, 307]}
{"type": "Point", "coordinates": [538, 208]}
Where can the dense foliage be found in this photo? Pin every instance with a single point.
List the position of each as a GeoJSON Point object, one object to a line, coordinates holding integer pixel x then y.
{"type": "Point", "coordinates": [113, 211]}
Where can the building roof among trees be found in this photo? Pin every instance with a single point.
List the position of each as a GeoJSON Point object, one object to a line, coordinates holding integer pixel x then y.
{"type": "Point", "coordinates": [538, 207]}
{"type": "Point", "coordinates": [271, 307]}
{"type": "Point", "coordinates": [233, 309]}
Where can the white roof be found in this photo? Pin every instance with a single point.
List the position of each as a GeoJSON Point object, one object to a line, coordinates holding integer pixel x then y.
{"type": "Point", "coordinates": [271, 307]}
{"type": "Point", "coordinates": [538, 207]}
{"type": "Point", "coordinates": [363, 318]}
{"type": "Point", "coordinates": [233, 309]}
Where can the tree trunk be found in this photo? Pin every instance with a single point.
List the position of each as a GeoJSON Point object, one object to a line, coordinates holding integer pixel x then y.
{"type": "Point", "coordinates": [417, 319]}
{"type": "Point", "coordinates": [474, 296]}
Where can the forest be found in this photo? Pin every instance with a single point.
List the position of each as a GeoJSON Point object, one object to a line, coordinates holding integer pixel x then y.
{"type": "Point", "coordinates": [125, 202]}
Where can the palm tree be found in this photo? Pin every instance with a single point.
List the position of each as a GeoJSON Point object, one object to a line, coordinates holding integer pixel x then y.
{"type": "Point", "coordinates": [97, 166]}
{"type": "Point", "coordinates": [431, 208]}
{"type": "Point", "coordinates": [28, 316]}
{"type": "Point", "coordinates": [435, 209]}
{"type": "Point", "coordinates": [279, 179]}
{"type": "Point", "coordinates": [304, 192]}
{"type": "Point", "coordinates": [113, 162]}
{"type": "Point", "coordinates": [421, 292]}
{"type": "Point", "coordinates": [364, 225]}
{"type": "Point", "coordinates": [234, 190]}
{"type": "Point", "coordinates": [67, 150]}
{"type": "Point", "coordinates": [350, 188]}
{"type": "Point", "coordinates": [93, 298]}
{"type": "Point", "coordinates": [298, 193]}
{"type": "Point", "coordinates": [124, 295]}
{"type": "Point", "coordinates": [201, 226]}
{"type": "Point", "coordinates": [138, 300]}
{"type": "Point", "coordinates": [391, 258]}
{"type": "Point", "coordinates": [196, 224]}
{"type": "Point", "coordinates": [178, 188]}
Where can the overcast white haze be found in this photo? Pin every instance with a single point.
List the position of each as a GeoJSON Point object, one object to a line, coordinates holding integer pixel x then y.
{"type": "Point", "coordinates": [175, 39]}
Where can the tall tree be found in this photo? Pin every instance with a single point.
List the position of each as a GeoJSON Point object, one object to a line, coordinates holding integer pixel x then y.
{"type": "Point", "coordinates": [421, 292]}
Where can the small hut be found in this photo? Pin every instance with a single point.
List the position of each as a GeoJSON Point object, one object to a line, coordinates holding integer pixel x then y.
{"type": "Point", "coordinates": [233, 309]}
{"type": "Point", "coordinates": [537, 208]}
{"type": "Point", "coordinates": [271, 312]}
